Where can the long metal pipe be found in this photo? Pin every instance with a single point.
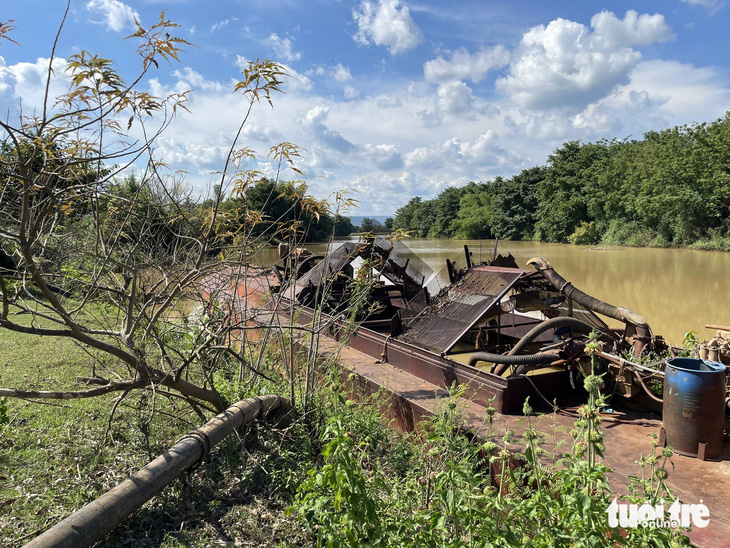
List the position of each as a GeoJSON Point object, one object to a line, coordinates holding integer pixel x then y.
{"type": "Point", "coordinates": [92, 522]}
{"type": "Point", "coordinates": [643, 332]}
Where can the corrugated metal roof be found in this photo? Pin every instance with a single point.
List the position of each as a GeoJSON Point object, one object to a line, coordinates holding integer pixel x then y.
{"type": "Point", "coordinates": [402, 265]}
{"type": "Point", "coordinates": [453, 313]}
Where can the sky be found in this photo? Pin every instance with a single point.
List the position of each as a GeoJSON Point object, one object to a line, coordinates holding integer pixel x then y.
{"type": "Point", "coordinates": [391, 99]}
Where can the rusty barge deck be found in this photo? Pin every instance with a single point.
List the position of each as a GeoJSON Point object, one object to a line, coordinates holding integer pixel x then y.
{"type": "Point", "coordinates": [627, 433]}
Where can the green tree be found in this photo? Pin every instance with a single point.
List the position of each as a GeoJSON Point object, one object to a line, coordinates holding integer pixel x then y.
{"type": "Point", "coordinates": [416, 216]}
{"type": "Point", "coordinates": [515, 204]}
{"type": "Point", "coordinates": [127, 255]}
{"type": "Point", "coordinates": [476, 210]}
{"type": "Point", "coordinates": [343, 226]}
{"type": "Point", "coordinates": [445, 209]}
{"type": "Point", "coordinates": [404, 215]}
{"type": "Point", "coordinates": [562, 203]}
{"type": "Point", "coordinates": [367, 225]}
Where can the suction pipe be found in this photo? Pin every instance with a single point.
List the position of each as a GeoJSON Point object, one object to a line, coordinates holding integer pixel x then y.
{"type": "Point", "coordinates": [643, 332]}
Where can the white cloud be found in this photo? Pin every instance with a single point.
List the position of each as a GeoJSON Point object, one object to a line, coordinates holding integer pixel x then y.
{"type": "Point", "coordinates": [350, 92]}
{"type": "Point", "coordinates": [710, 5]}
{"type": "Point", "coordinates": [385, 157]}
{"type": "Point", "coordinates": [205, 156]}
{"type": "Point", "coordinates": [565, 64]}
{"type": "Point", "coordinates": [481, 151]}
{"type": "Point", "coordinates": [220, 24]}
{"type": "Point", "coordinates": [382, 193]}
{"type": "Point", "coordinates": [342, 73]}
{"type": "Point", "coordinates": [263, 134]}
{"type": "Point", "coordinates": [684, 93]}
{"type": "Point", "coordinates": [187, 78]}
{"type": "Point", "coordinates": [117, 15]}
{"type": "Point", "coordinates": [465, 66]}
{"type": "Point", "coordinates": [314, 122]}
{"type": "Point", "coordinates": [544, 128]}
{"type": "Point", "coordinates": [27, 81]}
{"type": "Point", "coordinates": [632, 30]}
{"type": "Point", "coordinates": [659, 94]}
{"type": "Point", "coordinates": [624, 113]}
{"type": "Point", "coordinates": [455, 98]}
{"type": "Point", "coordinates": [339, 72]}
{"type": "Point", "coordinates": [386, 24]}
{"type": "Point", "coordinates": [283, 48]}
{"type": "Point", "coordinates": [389, 101]}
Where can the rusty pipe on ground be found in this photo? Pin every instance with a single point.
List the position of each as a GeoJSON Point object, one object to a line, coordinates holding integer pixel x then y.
{"type": "Point", "coordinates": [92, 522]}
{"type": "Point", "coordinates": [642, 329]}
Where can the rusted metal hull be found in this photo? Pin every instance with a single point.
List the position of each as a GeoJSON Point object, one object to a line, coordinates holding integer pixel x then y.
{"type": "Point", "coordinates": [411, 400]}
{"type": "Point", "coordinates": [415, 379]}
{"type": "Point", "coordinates": [506, 395]}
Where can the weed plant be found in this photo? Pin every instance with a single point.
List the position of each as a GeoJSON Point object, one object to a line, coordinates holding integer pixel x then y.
{"type": "Point", "coordinates": [456, 492]}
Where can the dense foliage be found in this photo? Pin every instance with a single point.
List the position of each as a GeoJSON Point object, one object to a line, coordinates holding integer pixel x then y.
{"type": "Point", "coordinates": [672, 188]}
{"type": "Point", "coordinates": [446, 490]}
{"type": "Point", "coordinates": [119, 263]}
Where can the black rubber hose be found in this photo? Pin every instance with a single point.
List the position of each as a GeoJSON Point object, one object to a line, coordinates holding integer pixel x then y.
{"type": "Point", "coordinates": [524, 359]}
{"type": "Point", "coordinates": [552, 323]}
{"type": "Point", "coordinates": [537, 330]}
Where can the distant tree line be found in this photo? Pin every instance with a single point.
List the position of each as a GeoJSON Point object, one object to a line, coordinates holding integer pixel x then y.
{"type": "Point", "coordinates": [670, 189]}
{"type": "Point", "coordinates": [279, 207]}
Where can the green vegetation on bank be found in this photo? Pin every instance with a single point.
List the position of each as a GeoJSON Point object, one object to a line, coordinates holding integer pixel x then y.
{"type": "Point", "coordinates": [336, 477]}
{"type": "Point", "coordinates": [670, 189]}
{"type": "Point", "coordinates": [274, 208]}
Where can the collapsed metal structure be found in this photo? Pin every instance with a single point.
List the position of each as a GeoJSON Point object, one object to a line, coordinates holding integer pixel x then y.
{"type": "Point", "coordinates": [509, 332]}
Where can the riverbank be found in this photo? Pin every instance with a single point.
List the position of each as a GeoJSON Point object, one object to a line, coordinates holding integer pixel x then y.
{"type": "Point", "coordinates": [336, 475]}
{"type": "Point", "coordinates": [58, 455]}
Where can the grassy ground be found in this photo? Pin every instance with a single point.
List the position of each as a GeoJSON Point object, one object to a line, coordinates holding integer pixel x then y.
{"type": "Point", "coordinates": [54, 459]}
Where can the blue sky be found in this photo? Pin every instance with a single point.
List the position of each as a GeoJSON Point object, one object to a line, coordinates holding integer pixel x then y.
{"type": "Point", "coordinates": [391, 99]}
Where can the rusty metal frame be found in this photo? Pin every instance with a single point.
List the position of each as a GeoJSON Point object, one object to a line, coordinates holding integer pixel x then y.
{"type": "Point", "coordinates": [506, 395]}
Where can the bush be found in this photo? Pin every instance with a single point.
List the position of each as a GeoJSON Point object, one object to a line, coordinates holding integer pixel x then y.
{"type": "Point", "coordinates": [459, 493]}
{"type": "Point", "coordinates": [620, 232]}
{"type": "Point", "coordinates": [585, 234]}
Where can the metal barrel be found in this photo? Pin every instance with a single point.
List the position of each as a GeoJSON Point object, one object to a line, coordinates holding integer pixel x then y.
{"type": "Point", "coordinates": [694, 406]}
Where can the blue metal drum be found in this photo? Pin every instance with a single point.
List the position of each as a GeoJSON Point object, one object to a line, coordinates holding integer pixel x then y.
{"type": "Point", "coordinates": [694, 406]}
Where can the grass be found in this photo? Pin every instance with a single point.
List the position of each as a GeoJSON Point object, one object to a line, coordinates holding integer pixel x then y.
{"type": "Point", "coordinates": [54, 459]}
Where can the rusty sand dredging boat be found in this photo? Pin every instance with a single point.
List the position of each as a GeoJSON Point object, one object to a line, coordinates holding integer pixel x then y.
{"type": "Point", "coordinates": [511, 332]}
{"type": "Point", "coordinates": [506, 333]}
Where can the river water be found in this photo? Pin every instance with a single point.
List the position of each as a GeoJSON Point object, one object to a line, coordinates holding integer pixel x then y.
{"type": "Point", "coordinates": [675, 290]}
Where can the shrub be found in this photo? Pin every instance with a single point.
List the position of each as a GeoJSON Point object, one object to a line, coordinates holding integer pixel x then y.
{"type": "Point", "coordinates": [585, 234]}
{"type": "Point", "coordinates": [448, 497]}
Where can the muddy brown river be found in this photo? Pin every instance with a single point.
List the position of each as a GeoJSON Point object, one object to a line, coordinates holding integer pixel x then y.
{"type": "Point", "coordinates": [675, 290]}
